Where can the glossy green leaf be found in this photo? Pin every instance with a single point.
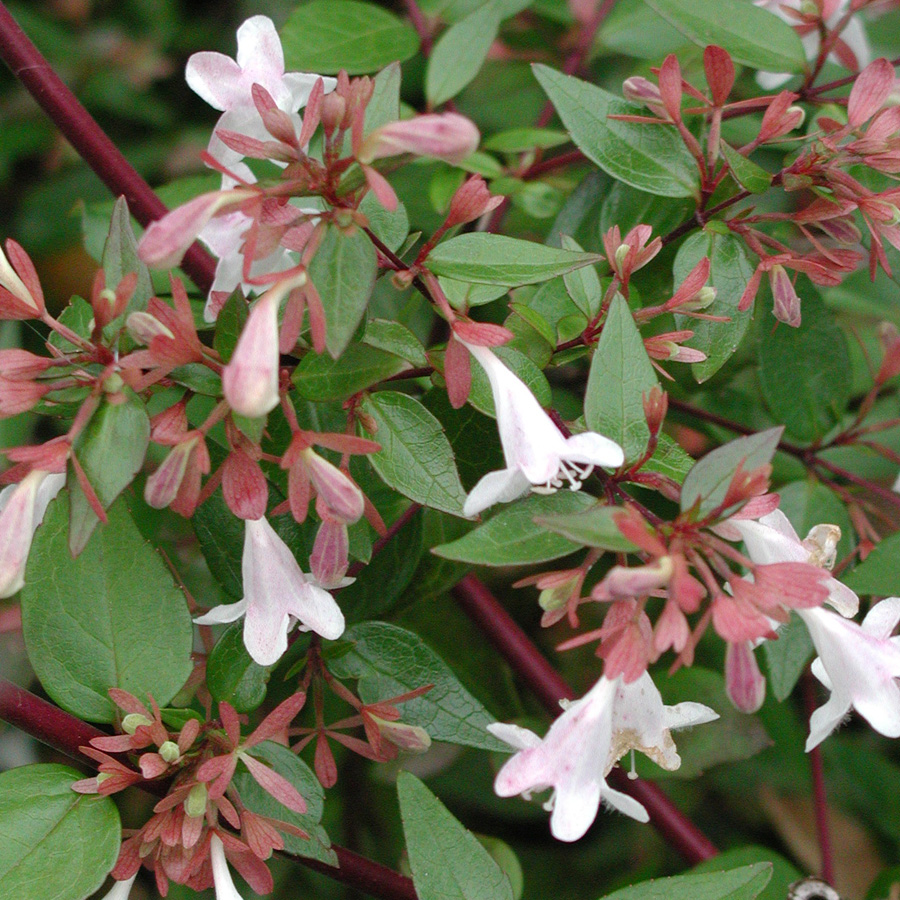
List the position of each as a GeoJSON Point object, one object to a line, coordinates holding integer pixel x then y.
{"type": "Point", "coordinates": [879, 573]}
{"type": "Point", "coordinates": [708, 480]}
{"type": "Point", "coordinates": [390, 227]}
{"type": "Point", "coordinates": [55, 844]}
{"type": "Point", "coordinates": [329, 35]}
{"type": "Point", "coordinates": [232, 675]}
{"type": "Point", "coordinates": [670, 459]}
{"type": "Point", "coordinates": [291, 767]}
{"type": "Point", "coordinates": [396, 338]}
{"type": "Point", "coordinates": [746, 173]}
{"type": "Point", "coordinates": [389, 661]}
{"type": "Point", "coordinates": [583, 285]}
{"type": "Point", "coordinates": [729, 272]}
{"type": "Point", "coordinates": [111, 451]}
{"type": "Point", "coordinates": [649, 157]}
{"type": "Point", "coordinates": [620, 375]}
{"type": "Point", "coordinates": [460, 53]}
{"type": "Point", "coordinates": [744, 883]}
{"type": "Point", "coordinates": [447, 861]}
{"type": "Point", "coordinates": [753, 36]}
{"type": "Point", "coordinates": [321, 378]}
{"type": "Point", "coordinates": [513, 537]}
{"type": "Point", "coordinates": [416, 458]}
{"type": "Point", "coordinates": [496, 259]}
{"type": "Point", "coordinates": [343, 271]}
{"type": "Point", "coordinates": [113, 617]}
{"type": "Point", "coordinates": [384, 106]}
{"type": "Point", "coordinates": [593, 527]}
{"type": "Point", "coordinates": [463, 295]}
{"type": "Point", "coordinates": [803, 371]}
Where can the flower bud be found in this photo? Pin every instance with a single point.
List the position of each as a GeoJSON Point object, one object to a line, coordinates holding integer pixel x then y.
{"type": "Point", "coordinates": [143, 327]}
{"type": "Point", "coordinates": [133, 721]}
{"type": "Point", "coordinates": [471, 201]}
{"type": "Point", "coordinates": [21, 296]}
{"type": "Point", "coordinates": [406, 737]}
{"type": "Point", "coordinates": [334, 488]}
{"type": "Point", "coordinates": [745, 684]}
{"type": "Point", "coordinates": [195, 802]}
{"type": "Point", "coordinates": [168, 750]}
{"type": "Point", "coordinates": [329, 559]}
{"type": "Point", "coordinates": [447, 136]}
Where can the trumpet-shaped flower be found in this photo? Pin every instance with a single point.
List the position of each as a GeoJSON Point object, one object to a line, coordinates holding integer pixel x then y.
{"type": "Point", "coordinates": [222, 881]}
{"type": "Point", "coordinates": [22, 508]}
{"type": "Point", "coordinates": [121, 889]}
{"type": "Point", "coordinates": [583, 745]}
{"type": "Point", "coordinates": [772, 539]}
{"type": "Point", "coordinates": [535, 451]}
{"type": "Point", "coordinates": [227, 84]}
{"type": "Point", "coordinates": [276, 593]}
{"type": "Point", "coordinates": [860, 665]}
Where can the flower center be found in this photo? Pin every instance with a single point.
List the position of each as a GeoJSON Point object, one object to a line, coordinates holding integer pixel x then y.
{"type": "Point", "coordinates": [569, 474]}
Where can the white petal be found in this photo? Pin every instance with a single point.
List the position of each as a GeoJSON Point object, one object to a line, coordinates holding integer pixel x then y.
{"type": "Point", "coordinates": [224, 885]}
{"type": "Point", "coordinates": [825, 719]}
{"type": "Point", "coordinates": [496, 487]}
{"type": "Point", "coordinates": [517, 737]}
{"type": "Point", "coordinates": [842, 598]}
{"type": "Point", "coordinates": [259, 52]}
{"type": "Point", "coordinates": [575, 807]}
{"type": "Point", "coordinates": [686, 715]}
{"type": "Point", "coordinates": [225, 612]}
{"type": "Point", "coordinates": [265, 633]}
{"type": "Point", "coordinates": [300, 85]}
{"type": "Point", "coordinates": [625, 804]}
{"type": "Point", "coordinates": [594, 449]}
{"type": "Point", "coordinates": [882, 618]}
{"type": "Point", "coordinates": [317, 610]}
{"type": "Point", "coordinates": [215, 78]}
{"type": "Point", "coordinates": [771, 539]}
{"type": "Point", "coordinates": [121, 889]}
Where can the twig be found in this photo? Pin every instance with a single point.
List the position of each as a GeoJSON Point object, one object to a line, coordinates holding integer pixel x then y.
{"type": "Point", "coordinates": [820, 798]}
{"type": "Point", "coordinates": [550, 687]}
{"type": "Point", "coordinates": [88, 138]}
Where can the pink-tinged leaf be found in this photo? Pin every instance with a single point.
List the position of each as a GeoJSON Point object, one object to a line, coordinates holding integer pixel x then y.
{"type": "Point", "coordinates": [230, 722]}
{"type": "Point", "coordinates": [244, 486]}
{"type": "Point", "coordinates": [482, 334]}
{"type": "Point", "coordinates": [719, 70]}
{"type": "Point", "coordinates": [253, 871]}
{"type": "Point", "coordinates": [188, 734]}
{"type": "Point", "coordinates": [381, 188]}
{"type": "Point", "coordinates": [323, 762]}
{"type": "Point", "coordinates": [670, 86]}
{"type": "Point", "coordinates": [274, 784]}
{"type": "Point", "coordinates": [871, 89]}
{"type": "Point", "coordinates": [276, 721]}
{"type": "Point", "coordinates": [457, 373]}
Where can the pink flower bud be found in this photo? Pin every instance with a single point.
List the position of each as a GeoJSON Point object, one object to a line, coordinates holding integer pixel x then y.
{"type": "Point", "coordinates": [623, 582]}
{"type": "Point", "coordinates": [745, 684]}
{"type": "Point", "coordinates": [787, 303]}
{"type": "Point", "coordinates": [21, 296]}
{"type": "Point", "coordinates": [407, 737]}
{"type": "Point", "coordinates": [335, 489]}
{"type": "Point", "coordinates": [163, 485]}
{"type": "Point", "coordinates": [641, 90]}
{"type": "Point", "coordinates": [447, 136]}
{"type": "Point", "coordinates": [143, 327]}
{"type": "Point", "coordinates": [471, 201]}
{"type": "Point", "coordinates": [329, 559]}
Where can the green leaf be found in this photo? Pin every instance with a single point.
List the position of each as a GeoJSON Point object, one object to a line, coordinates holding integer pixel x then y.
{"type": "Point", "coordinates": [393, 337]}
{"type": "Point", "coordinates": [343, 271]}
{"type": "Point", "coordinates": [54, 844]}
{"type": "Point", "coordinates": [787, 656]}
{"type": "Point", "coordinates": [744, 883]}
{"type": "Point", "coordinates": [113, 617]}
{"type": "Point", "coordinates": [120, 258]}
{"type": "Point", "coordinates": [329, 35]}
{"type": "Point", "coordinates": [416, 458]}
{"type": "Point", "coordinates": [232, 675]}
{"type": "Point", "coordinates": [803, 371]}
{"type": "Point", "coordinates": [521, 140]}
{"type": "Point", "coordinates": [389, 660]}
{"type": "Point", "coordinates": [321, 378]}
{"type": "Point", "coordinates": [384, 106]}
{"type": "Point", "coordinates": [879, 574]}
{"type": "Point", "coordinates": [670, 459]}
{"type": "Point", "coordinates": [784, 873]}
{"type": "Point", "coordinates": [592, 527]}
{"type": "Point", "coordinates": [391, 228]}
{"type": "Point", "coordinates": [513, 537]}
{"type": "Point", "coordinates": [650, 157]}
{"type": "Point", "coordinates": [111, 451]}
{"type": "Point", "coordinates": [710, 477]}
{"type": "Point", "coordinates": [447, 861]}
{"type": "Point", "coordinates": [460, 52]}
{"type": "Point", "coordinates": [746, 173]}
{"type": "Point", "coordinates": [290, 766]}
{"type": "Point", "coordinates": [753, 36]}
{"type": "Point", "coordinates": [583, 285]}
{"type": "Point", "coordinates": [620, 375]}
{"type": "Point", "coordinates": [462, 295]}
{"type": "Point", "coordinates": [496, 259]}
{"type": "Point", "coordinates": [229, 325]}
{"type": "Point", "coordinates": [729, 272]}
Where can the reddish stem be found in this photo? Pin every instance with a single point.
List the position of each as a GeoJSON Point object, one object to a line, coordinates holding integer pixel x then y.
{"type": "Point", "coordinates": [66, 733]}
{"type": "Point", "coordinates": [820, 798]}
{"type": "Point", "coordinates": [550, 687]}
{"type": "Point", "coordinates": [88, 138]}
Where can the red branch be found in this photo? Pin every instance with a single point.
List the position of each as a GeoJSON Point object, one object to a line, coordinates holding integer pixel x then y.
{"type": "Point", "coordinates": [89, 139]}
{"type": "Point", "coordinates": [66, 733]}
{"type": "Point", "coordinates": [550, 687]}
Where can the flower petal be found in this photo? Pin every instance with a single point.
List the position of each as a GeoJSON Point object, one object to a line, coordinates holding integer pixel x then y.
{"type": "Point", "coordinates": [317, 611]}
{"type": "Point", "coordinates": [594, 449]}
{"type": "Point", "coordinates": [496, 487]}
{"type": "Point", "coordinates": [225, 612]}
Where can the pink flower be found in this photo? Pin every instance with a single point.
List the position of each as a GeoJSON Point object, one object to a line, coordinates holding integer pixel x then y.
{"type": "Point", "coordinates": [583, 745]}
{"type": "Point", "coordinates": [447, 136]}
{"type": "Point", "coordinates": [227, 84]}
{"type": "Point", "coordinates": [276, 592]}
{"type": "Point", "coordinates": [535, 450]}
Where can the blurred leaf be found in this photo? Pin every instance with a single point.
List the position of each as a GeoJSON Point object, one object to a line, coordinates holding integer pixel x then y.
{"type": "Point", "coordinates": [389, 661]}
{"type": "Point", "coordinates": [55, 844]}
{"type": "Point", "coordinates": [120, 258]}
{"type": "Point", "coordinates": [620, 375]}
{"type": "Point", "coordinates": [646, 156]}
{"type": "Point", "coordinates": [416, 458]}
{"type": "Point", "coordinates": [232, 675]}
{"type": "Point", "coordinates": [447, 861]}
{"type": "Point", "coordinates": [329, 35]}
{"type": "Point", "coordinates": [229, 324]}
{"type": "Point", "coordinates": [879, 574]}
{"type": "Point", "coordinates": [784, 873]}
{"type": "Point", "coordinates": [786, 657]}
{"type": "Point", "coordinates": [512, 536]}
{"type": "Point", "coordinates": [113, 617]}
{"type": "Point", "coordinates": [521, 140]}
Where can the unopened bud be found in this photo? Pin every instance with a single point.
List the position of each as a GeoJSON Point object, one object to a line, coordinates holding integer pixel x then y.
{"type": "Point", "coordinates": [702, 299]}
{"type": "Point", "coordinates": [809, 8]}
{"type": "Point", "coordinates": [796, 115]}
{"type": "Point", "coordinates": [168, 750]}
{"type": "Point", "coordinates": [447, 136]}
{"type": "Point", "coordinates": [133, 721]}
{"type": "Point", "coordinates": [143, 327]}
{"type": "Point", "coordinates": [406, 737]}
{"type": "Point", "coordinates": [744, 683]}
{"type": "Point", "coordinates": [103, 776]}
{"type": "Point", "coordinates": [195, 802]}
{"type": "Point", "coordinates": [621, 255]}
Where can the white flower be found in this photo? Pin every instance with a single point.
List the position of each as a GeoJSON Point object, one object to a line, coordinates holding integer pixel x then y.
{"type": "Point", "coordinates": [121, 889]}
{"type": "Point", "coordinates": [853, 36]}
{"type": "Point", "coordinates": [222, 881]}
{"type": "Point", "coordinates": [859, 664]}
{"type": "Point", "coordinates": [22, 508]}
{"type": "Point", "coordinates": [227, 84]}
{"type": "Point", "coordinates": [535, 451]}
{"type": "Point", "coordinates": [583, 745]}
{"type": "Point", "coordinates": [772, 539]}
{"type": "Point", "coordinates": [276, 592]}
